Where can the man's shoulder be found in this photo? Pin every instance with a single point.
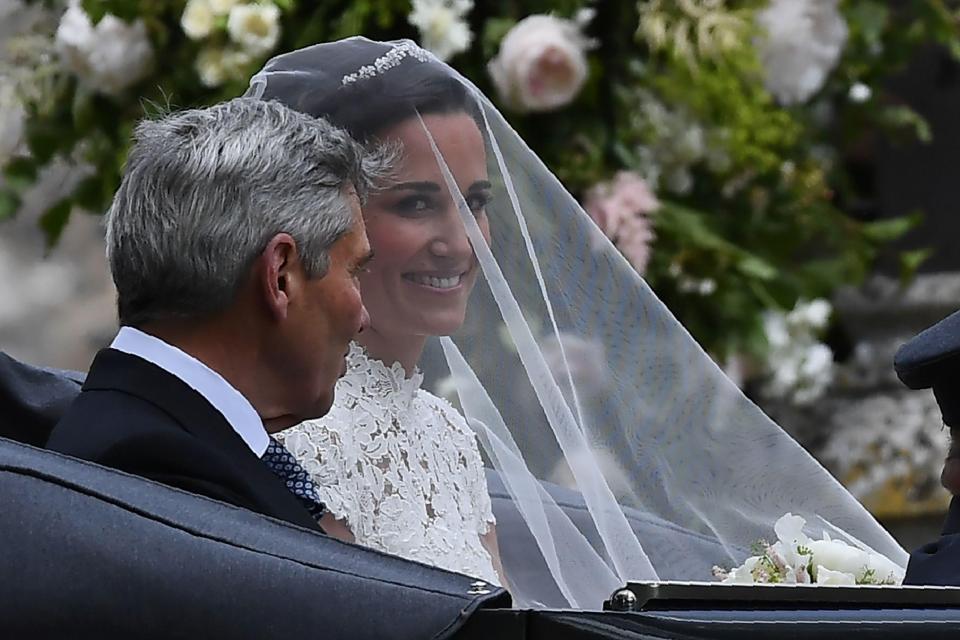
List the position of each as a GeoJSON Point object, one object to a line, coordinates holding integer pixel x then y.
{"type": "Point", "coordinates": [103, 416]}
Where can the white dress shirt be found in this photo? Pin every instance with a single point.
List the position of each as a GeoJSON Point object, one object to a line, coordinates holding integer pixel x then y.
{"type": "Point", "coordinates": [236, 409]}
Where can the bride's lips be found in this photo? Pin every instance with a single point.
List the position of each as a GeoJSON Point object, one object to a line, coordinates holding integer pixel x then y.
{"type": "Point", "coordinates": [439, 282]}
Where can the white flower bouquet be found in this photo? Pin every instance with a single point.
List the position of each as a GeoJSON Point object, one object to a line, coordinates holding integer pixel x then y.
{"type": "Point", "coordinates": [797, 559]}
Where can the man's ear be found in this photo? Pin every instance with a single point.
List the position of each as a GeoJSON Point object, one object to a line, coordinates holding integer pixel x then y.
{"type": "Point", "coordinates": [278, 274]}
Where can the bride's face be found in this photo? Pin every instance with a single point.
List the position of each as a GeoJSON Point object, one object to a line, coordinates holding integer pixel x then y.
{"type": "Point", "coordinates": [424, 266]}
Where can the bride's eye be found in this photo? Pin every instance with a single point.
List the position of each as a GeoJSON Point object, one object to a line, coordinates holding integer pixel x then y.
{"type": "Point", "coordinates": [478, 202]}
{"type": "Point", "coordinates": [413, 205]}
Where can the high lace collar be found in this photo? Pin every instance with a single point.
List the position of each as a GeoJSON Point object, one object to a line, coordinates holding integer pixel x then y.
{"type": "Point", "coordinates": [380, 379]}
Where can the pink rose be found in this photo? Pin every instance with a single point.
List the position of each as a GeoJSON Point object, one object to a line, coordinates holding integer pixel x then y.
{"type": "Point", "coordinates": [621, 208]}
{"type": "Point", "coordinates": [541, 65]}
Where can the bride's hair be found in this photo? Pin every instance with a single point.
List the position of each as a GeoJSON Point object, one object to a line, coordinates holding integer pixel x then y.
{"type": "Point", "coordinates": [370, 104]}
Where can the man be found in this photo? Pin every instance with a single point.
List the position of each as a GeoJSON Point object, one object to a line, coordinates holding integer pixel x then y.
{"type": "Point", "coordinates": [932, 360]}
{"type": "Point", "coordinates": [234, 242]}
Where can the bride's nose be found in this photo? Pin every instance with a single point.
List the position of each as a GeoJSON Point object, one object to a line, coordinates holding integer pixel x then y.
{"type": "Point", "coordinates": [450, 237]}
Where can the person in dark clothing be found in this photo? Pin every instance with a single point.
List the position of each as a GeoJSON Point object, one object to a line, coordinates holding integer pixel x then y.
{"type": "Point", "coordinates": [234, 241]}
{"type": "Point", "coordinates": [931, 360]}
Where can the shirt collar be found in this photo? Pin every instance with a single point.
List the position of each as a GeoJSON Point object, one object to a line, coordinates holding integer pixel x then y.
{"type": "Point", "coordinates": [236, 409]}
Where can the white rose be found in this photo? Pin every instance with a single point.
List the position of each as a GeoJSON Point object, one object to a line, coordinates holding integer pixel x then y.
{"type": "Point", "coordinates": [198, 19]}
{"type": "Point", "coordinates": [443, 30]}
{"type": "Point", "coordinates": [255, 27]}
{"type": "Point", "coordinates": [803, 40]}
{"type": "Point", "coordinates": [109, 57]}
{"type": "Point", "coordinates": [839, 556]}
{"type": "Point", "coordinates": [826, 576]}
{"type": "Point", "coordinates": [541, 65]}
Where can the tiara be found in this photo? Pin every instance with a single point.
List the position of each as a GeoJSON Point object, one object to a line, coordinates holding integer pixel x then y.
{"type": "Point", "coordinates": [387, 61]}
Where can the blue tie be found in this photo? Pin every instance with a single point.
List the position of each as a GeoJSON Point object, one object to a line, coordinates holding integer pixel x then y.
{"type": "Point", "coordinates": [282, 463]}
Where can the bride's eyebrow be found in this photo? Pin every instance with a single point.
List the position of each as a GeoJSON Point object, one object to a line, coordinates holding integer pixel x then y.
{"type": "Point", "coordinates": [416, 186]}
{"type": "Point", "coordinates": [480, 185]}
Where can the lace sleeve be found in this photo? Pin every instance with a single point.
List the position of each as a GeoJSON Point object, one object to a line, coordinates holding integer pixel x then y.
{"type": "Point", "coordinates": [475, 475]}
{"type": "Point", "coordinates": [318, 449]}
{"type": "Point", "coordinates": [481, 493]}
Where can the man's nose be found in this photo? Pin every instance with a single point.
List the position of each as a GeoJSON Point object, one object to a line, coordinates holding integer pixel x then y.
{"type": "Point", "coordinates": [364, 318]}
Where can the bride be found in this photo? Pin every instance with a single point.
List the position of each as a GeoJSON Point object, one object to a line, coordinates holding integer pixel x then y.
{"type": "Point", "coordinates": [397, 466]}
{"type": "Point", "coordinates": [615, 449]}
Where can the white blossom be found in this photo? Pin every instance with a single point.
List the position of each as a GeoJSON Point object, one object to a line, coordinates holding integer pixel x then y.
{"type": "Point", "coordinates": [799, 367]}
{"type": "Point", "coordinates": [216, 65]}
{"type": "Point", "coordinates": [542, 63]}
{"type": "Point", "coordinates": [198, 19]}
{"type": "Point", "coordinates": [859, 92]}
{"type": "Point", "coordinates": [443, 30]}
{"type": "Point", "coordinates": [109, 57]}
{"type": "Point", "coordinates": [255, 27]}
{"type": "Point", "coordinates": [801, 43]}
{"type": "Point", "coordinates": [12, 119]}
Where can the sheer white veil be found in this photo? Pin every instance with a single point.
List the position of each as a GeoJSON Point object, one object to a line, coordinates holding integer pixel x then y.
{"type": "Point", "coordinates": [624, 450]}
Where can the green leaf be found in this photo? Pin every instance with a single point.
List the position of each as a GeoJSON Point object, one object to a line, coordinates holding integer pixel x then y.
{"type": "Point", "coordinates": [20, 173]}
{"type": "Point", "coordinates": [892, 228]}
{"type": "Point", "coordinates": [89, 194]}
{"type": "Point", "coordinates": [751, 265]}
{"type": "Point", "coordinates": [54, 220]}
{"type": "Point", "coordinates": [44, 141]}
{"type": "Point", "coordinates": [903, 117]}
{"type": "Point", "coordinates": [9, 203]}
{"type": "Point", "coordinates": [83, 109]}
{"type": "Point", "coordinates": [910, 262]}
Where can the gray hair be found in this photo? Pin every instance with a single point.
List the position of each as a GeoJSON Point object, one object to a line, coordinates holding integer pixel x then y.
{"type": "Point", "coordinates": [203, 192]}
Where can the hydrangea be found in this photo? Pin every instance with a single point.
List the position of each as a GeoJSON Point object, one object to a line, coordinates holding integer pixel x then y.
{"type": "Point", "coordinates": [621, 208]}
{"type": "Point", "coordinates": [443, 30]}
{"type": "Point", "coordinates": [109, 57]}
{"type": "Point", "coordinates": [801, 43]}
{"type": "Point", "coordinates": [542, 63]}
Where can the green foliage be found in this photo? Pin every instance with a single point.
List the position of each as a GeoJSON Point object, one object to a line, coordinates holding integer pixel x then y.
{"type": "Point", "coordinates": [753, 193]}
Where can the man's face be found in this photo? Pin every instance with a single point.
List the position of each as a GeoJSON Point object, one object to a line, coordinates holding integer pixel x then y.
{"type": "Point", "coordinates": [950, 478]}
{"type": "Point", "coordinates": [328, 315]}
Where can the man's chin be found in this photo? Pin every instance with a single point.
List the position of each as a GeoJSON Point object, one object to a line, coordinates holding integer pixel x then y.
{"type": "Point", "coordinates": [950, 477]}
{"type": "Point", "coordinates": [281, 423]}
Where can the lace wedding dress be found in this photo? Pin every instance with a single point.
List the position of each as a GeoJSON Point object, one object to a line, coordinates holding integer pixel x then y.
{"type": "Point", "coordinates": [401, 467]}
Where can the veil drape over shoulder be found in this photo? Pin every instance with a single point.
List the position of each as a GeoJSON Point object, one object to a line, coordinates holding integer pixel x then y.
{"type": "Point", "coordinates": [625, 451]}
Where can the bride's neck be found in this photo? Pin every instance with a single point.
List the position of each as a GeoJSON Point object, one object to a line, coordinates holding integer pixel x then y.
{"type": "Point", "coordinates": [405, 349]}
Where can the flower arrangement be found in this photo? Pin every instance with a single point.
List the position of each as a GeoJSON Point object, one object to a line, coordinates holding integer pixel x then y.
{"type": "Point", "coordinates": [797, 559]}
{"type": "Point", "coordinates": [710, 139]}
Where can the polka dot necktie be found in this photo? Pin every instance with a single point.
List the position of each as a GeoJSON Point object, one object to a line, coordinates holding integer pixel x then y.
{"type": "Point", "coordinates": [298, 481]}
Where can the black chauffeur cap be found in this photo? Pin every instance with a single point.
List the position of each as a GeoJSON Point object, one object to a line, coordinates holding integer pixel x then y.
{"type": "Point", "coordinates": [931, 359]}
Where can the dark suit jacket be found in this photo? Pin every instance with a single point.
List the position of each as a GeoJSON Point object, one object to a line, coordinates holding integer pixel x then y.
{"type": "Point", "coordinates": [134, 416]}
{"type": "Point", "coordinates": [938, 563]}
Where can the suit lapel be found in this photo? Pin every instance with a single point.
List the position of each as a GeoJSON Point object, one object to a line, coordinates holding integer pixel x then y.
{"type": "Point", "coordinates": [119, 371]}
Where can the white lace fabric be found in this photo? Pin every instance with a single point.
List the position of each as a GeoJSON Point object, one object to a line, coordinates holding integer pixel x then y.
{"type": "Point", "coordinates": [401, 467]}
